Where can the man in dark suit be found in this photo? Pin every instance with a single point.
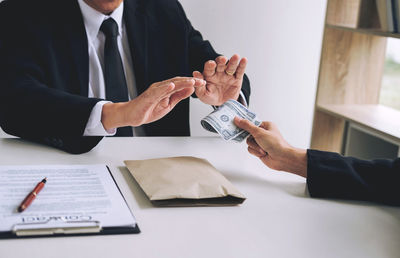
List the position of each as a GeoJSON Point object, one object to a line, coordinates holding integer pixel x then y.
{"type": "Point", "coordinates": [74, 71]}
{"type": "Point", "coordinates": [329, 175]}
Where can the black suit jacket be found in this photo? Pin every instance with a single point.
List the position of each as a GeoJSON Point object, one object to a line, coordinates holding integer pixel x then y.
{"type": "Point", "coordinates": [331, 175]}
{"type": "Point", "coordinates": [45, 67]}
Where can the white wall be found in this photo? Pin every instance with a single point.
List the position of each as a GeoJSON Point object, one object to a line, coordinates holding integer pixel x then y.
{"type": "Point", "coordinates": [282, 40]}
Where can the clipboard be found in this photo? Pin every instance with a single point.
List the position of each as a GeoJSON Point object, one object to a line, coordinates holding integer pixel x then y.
{"type": "Point", "coordinates": [58, 226]}
{"type": "Point", "coordinates": [71, 228]}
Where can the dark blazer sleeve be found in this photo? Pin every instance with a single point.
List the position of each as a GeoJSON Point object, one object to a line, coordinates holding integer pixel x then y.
{"type": "Point", "coordinates": [32, 106]}
{"type": "Point", "coordinates": [331, 175]}
{"type": "Point", "coordinates": [201, 51]}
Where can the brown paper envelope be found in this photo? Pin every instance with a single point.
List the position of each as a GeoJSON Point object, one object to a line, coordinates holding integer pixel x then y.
{"type": "Point", "coordinates": [183, 181]}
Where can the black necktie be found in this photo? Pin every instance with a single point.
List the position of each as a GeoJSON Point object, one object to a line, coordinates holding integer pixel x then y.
{"type": "Point", "coordinates": [114, 76]}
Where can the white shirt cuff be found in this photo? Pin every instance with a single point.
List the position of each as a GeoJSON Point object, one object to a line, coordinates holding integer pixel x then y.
{"type": "Point", "coordinates": [94, 126]}
{"type": "Point", "coordinates": [242, 99]}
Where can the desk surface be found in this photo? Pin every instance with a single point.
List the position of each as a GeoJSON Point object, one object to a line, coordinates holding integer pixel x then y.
{"type": "Point", "coordinates": [278, 219]}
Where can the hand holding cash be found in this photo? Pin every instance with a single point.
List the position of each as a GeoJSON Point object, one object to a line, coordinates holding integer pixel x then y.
{"type": "Point", "coordinates": [221, 121]}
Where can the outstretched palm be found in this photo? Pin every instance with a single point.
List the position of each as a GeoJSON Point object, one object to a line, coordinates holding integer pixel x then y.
{"type": "Point", "coordinates": [224, 81]}
{"type": "Point", "coordinates": [159, 99]}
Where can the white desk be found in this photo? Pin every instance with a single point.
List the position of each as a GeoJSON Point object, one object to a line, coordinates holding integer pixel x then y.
{"type": "Point", "coordinates": [277, 220]}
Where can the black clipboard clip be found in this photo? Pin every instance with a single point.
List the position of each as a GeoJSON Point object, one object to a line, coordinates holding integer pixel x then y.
{"type": "Point", "coordinates": [52, 226]}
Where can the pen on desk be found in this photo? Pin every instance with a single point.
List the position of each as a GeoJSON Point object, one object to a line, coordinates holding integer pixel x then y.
{"type": "Point", "coordinates": [32, 195]}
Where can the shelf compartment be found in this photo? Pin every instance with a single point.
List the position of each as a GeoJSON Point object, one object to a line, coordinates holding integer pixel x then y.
{"type": "Point", "coordinates": [343, 12]}
{"type": "Point", "coordinates": [381, 119]}
{"type": "Point", "coordinates": [365, 31]}
{"type": "Point", "coordinates": [352, 13]}
{"type": "Point", "coordinates": [351, 68]}
{"type": "Point", "coordinates": [363, 144]}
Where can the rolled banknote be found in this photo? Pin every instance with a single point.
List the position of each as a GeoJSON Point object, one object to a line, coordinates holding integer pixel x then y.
{"type": "Point", "coordinates": [221, 121]}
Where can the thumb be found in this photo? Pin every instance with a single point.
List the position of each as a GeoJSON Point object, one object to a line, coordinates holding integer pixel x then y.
{"type": "Point", "coordinates": [247, 126]}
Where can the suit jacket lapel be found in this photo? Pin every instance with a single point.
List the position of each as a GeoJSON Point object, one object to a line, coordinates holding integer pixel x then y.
{"type": "Point", "coordinates": [76, 34]}
{"type": "Point", "coordinates": [136, 25]}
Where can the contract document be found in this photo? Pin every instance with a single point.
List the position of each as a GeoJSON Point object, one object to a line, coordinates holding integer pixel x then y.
{"type": "Point", "coordinates": [76, 199]}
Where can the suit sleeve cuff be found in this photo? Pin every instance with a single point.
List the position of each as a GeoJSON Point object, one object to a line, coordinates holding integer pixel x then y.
{"type": "Point", "coordinates": [327, 174]}
{"type": "Point", "coordinates": [94, 126]}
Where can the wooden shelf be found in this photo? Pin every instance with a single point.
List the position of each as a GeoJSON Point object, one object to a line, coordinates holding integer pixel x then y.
{"type": "Point", "coordinates": [344, 12]}
{"type": "Point", "coordinates": [353, 13]}
{"type": "Point", "coordinates": [351, 68]}
{"type": "Point", "coordinates": [380, 118]}
{"type": "Point", "coordinates": [350, 78]}
{"type": "Point", "coordinates": [366, 31]}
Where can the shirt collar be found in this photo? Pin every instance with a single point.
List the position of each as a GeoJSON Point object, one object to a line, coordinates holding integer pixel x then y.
{"type": "Point", "coordinates": [93, 18]}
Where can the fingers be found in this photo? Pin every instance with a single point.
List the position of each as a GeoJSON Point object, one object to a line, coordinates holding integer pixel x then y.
{"type": "Point", "coordinates": [164, 103]}
{"type": "Point", "coordinates": [241, 68]}
{"type": "Point", "coordinates": [247, 126]}
{"type": "Point", "coordinates": [175, 79]}
{"type": "Point", "coordinates": [267, 125]}
{"type": "Point", "coordinates": [200, 91]}
{"type": "Point", "coordinates": [166, 89]}
{"type": "Point", "coordinates": [221, 64]}
{"type": "Point", "coordinates": [180, 85]}
{"type": "Point", "coordinates": [256, 153]}
{"type": "Point", "coordinates": [180, 95]}
{"type": "Point", "coordinates": [266, 160]}
{"type": "Point", "coordinates": [198, 75]}
{"type": "Point", "coordinates": [209, 68]}
{"type": "Point", "coordinates": [233, 64]}
{"type": "Point", "coordinates": [253, 144]}
{"type": "Point", "coordinates": [198, 81]}
{"type": "Point", "coordinates": [161, 91]}
{"type": "Point", "coordinates": [171, 93]}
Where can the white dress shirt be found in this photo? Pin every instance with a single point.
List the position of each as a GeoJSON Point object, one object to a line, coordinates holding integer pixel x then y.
{"type": "Point", "coordinates": [96, 41]}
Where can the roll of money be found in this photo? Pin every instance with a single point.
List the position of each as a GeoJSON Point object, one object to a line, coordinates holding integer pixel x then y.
{"type": "Point", "coordinates": [221, 121]}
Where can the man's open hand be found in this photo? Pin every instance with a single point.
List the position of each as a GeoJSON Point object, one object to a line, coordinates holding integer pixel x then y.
{"type": "Point", "coordinates": [224, 80]}
{"type": "Point", "coordinates": [153, 104]}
